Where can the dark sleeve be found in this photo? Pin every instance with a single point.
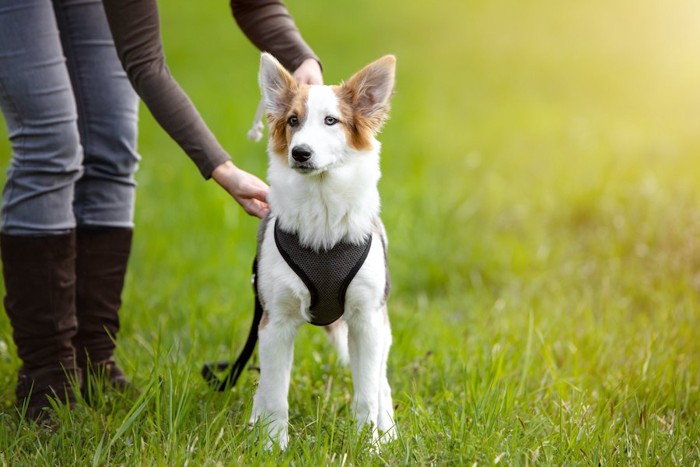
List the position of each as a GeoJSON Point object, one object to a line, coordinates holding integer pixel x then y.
{"type": "Point", "coordinates": [269, 26]}
{"type": "Point", "coordinates": [135, 26]}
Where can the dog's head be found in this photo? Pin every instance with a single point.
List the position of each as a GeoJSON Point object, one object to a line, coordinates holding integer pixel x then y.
{"type": "Point", "coordinates": [315, 128]}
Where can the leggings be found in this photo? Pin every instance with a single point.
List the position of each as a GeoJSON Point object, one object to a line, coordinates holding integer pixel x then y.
{"type": "Point", "coordinates": [71, 116]}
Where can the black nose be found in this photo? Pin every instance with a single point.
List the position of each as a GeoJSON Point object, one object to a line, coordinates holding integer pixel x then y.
{"type": "Point", "coordinates": [301, 153]}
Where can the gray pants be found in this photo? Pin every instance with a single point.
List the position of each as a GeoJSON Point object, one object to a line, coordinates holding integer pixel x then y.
{"type": "Point", "coordinates": [71, 116]}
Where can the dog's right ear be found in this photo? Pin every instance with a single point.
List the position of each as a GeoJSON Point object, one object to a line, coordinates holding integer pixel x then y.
{"type": "Point", "coordinates": [369, 91]}
{"type": "Point", "coordinates": [276, 84]}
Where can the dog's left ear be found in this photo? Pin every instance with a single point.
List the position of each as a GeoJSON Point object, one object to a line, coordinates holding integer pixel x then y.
{"type": "Point", "coordinates": [369, 90]}
{"type": "Point", "coordinates": [276, 84]}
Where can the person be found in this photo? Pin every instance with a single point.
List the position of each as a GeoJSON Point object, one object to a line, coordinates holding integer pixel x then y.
{"type": "Point", "coordinates": [68, 71]}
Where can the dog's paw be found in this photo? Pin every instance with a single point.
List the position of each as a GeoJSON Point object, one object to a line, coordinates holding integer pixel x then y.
{"type": "Point", "coordinates": [388, 435]}
{"type": "Point", "coordinates": [385, 421]}
{"type": "Point", "coordinates": [275, 432]}
{"type": "Point", "coordinates": [278, 434]}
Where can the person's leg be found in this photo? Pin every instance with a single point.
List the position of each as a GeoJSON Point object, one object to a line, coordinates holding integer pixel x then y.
{"type": "Point", "coordinates": [108, 116]}
{"type": "Point", "coordinates": [104, 195]}
{"type": "Point", "coordinates": [39, 109]}
{"type": "Point", "coordinates": [38, 239]}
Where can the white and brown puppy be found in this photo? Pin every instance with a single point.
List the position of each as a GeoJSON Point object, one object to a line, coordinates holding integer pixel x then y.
{"type": "Point", "coordinates": [323, 174]}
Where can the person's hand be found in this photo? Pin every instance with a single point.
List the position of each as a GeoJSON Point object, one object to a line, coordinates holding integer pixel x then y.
{"type": "Point", "coordinates": [309, 72]}
{"type": "Point", "coordinates": [247, 189]}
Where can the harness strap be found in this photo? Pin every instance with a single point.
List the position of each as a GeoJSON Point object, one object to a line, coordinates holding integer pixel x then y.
{"type": "Point", "coordinates": [237, 367]}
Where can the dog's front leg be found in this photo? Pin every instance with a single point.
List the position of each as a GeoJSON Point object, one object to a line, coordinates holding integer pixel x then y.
{"type": "Point", "coordinates": [270, 406]}
{"type": "Point", "coordinates": [366, 347]}
{"type": "Point", "coordinates": [385, 419]}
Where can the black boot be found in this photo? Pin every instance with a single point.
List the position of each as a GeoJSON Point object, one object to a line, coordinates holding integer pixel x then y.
{"type": "Point", "coordinates": [40, 302]}
{"type": "Point", "coordinates": [102, 256]}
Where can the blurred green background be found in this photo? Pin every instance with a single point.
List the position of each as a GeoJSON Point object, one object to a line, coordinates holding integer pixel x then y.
{"type": "Point", "coordinates": [519, 131]}
{"type": "Point", "coordinates": [539, 190]}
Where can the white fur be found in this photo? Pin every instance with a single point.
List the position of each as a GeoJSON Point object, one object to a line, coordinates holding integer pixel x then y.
{"type": "Point", "coordinates": [337, 200]}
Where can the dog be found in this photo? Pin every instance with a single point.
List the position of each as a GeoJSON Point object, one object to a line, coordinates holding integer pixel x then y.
{"type": "Point", "coordinates": [322, 247]}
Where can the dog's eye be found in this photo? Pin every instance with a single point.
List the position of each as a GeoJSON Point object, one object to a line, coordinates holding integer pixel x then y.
{"type": "Point", "coordinates": [293, 121]}
{"type": "Point", "coordinates": [330, 121]}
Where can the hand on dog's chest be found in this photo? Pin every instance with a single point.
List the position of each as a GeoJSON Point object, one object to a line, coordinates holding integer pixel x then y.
{"type": "Point", "coordinates": [327, 274]}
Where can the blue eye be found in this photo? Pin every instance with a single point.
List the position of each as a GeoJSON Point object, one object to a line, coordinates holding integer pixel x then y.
{"type": "Point", "coordinates": [330, 121]}
{"type": "Point", "coordinates": [293, 121]}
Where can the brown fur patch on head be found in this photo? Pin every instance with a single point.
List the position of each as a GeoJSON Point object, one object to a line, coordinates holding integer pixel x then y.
{"type": "Point", "coordinates": [358, 130]}
{"type": "Point", "coordinates": [280, 131]}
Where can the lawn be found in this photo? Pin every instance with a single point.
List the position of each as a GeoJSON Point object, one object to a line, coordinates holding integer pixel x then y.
{"type": "Point", "coordinates": [540, 194]}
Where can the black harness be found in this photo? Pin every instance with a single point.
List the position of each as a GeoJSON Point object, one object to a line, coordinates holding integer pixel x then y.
{"type": "Point", "coordinates": [326, 274]}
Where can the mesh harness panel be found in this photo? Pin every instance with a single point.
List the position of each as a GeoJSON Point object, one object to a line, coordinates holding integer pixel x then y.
{"type": "Point", "coordinates": [326, 273]}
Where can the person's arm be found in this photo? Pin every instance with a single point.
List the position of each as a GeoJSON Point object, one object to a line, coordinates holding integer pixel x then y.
{"type": "Point", "coordinates": [135, 26]}
{"type": "Point", "coordinates": [269, 26]}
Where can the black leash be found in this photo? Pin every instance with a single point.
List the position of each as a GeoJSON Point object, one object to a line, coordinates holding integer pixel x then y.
{"type": "Point", "coordinates": [237, 367]}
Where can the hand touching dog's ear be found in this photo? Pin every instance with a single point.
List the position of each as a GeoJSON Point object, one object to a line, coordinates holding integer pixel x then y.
{"type": "Point", "coordinates": [277, 84]}
{"type": "Point", "coordinates": [309, 72]}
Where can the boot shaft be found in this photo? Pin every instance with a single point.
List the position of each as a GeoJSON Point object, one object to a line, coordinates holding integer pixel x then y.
{"type": "Point", "coordinates": [101, 264]}
{"type": "Point", "coordinates": [40, 283]}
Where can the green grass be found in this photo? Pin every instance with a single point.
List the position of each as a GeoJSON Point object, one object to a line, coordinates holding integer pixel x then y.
{"type": "Point", "coordinates": [541, 198]}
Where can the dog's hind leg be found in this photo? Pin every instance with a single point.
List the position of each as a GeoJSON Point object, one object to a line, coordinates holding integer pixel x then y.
{"type": "Point", "coordinates": [385, 417]}
{"type": "Point", "coordinates": [270, 406]}
{"type": "Point", "coordinates": [366, 347]}
{"type": "Point", "coordinates": [337, 333]}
